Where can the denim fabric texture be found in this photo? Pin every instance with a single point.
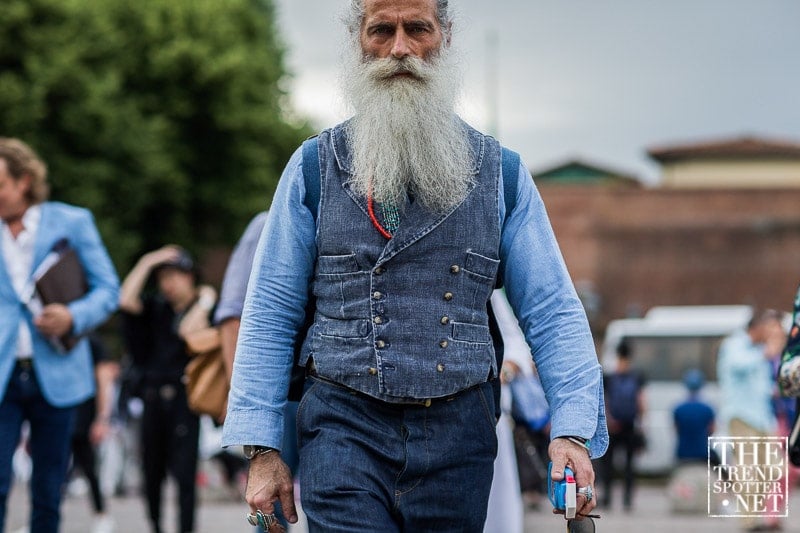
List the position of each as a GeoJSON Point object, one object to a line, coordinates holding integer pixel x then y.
{"type": "Point", "coordinates": [50, 438]}
{"type": "Point", "coordinates": [288, 263]}
{"type": "Point", "coordinates": [372, 330]}
{"type": "Point", "coordinates": [373, 466]}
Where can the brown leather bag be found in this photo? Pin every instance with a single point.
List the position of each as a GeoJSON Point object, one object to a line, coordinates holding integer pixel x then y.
{"type": "Point", "coordinates": [205, 378]}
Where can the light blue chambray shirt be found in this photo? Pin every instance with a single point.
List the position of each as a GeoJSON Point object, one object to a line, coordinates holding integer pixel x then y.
{"type": "Point", "coordinates": [537, 286]}
{"type": "Point", "coordinates": [746, 383]}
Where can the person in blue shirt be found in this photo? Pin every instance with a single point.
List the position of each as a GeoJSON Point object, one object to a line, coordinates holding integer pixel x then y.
{"type": "Point", "coordinates": [400, 256]}
{"type": "Point", "coordinates": [227, 316]}
{"type": "Point", "coordinates": [747, 384]}
{"type": "Point", "coordinates": [39, 381]}
{"type": "Point", "coordinates": [694, 423]}
{"type": "Point", "coordinates": [694, 420]}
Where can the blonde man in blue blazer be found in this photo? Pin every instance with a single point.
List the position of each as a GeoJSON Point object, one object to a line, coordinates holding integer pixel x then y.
{"type": "Point", "coordinates": [38, 382]}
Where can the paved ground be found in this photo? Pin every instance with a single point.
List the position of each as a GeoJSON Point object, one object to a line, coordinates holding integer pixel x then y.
{"type": "Point", "coordinates": [651, 515]}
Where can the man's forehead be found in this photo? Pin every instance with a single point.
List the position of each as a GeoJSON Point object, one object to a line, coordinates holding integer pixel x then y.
{"type": "Point", "coordinates": [406, 9]}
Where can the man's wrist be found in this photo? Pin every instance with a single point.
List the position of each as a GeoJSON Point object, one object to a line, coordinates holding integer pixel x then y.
{"type": "Point", "coordinates": [580, 441]}
{"type": "Point", "coordinates": [252, 451]}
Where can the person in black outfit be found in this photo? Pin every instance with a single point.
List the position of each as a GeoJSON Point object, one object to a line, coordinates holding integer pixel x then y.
{"type": "Point", "coordinates": [624, 408]}
{"type": "Point", "coordinates": [154, 328]}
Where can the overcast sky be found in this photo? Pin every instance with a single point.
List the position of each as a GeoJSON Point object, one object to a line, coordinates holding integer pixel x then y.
{"type": "Point", "coordinates": [600, 80]}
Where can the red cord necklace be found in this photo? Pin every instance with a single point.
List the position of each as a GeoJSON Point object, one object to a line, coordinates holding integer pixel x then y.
{"type": "Point", "coordinates": [371, 210]}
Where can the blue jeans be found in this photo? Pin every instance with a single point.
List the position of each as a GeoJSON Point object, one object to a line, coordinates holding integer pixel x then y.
{"type": "Point", "coordinates": [51, 430]}
{"type": "Point", "coordinates": [367, 465]}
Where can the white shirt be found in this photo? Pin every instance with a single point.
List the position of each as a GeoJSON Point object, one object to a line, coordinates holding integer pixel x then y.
{"type": "Point", "coordinates": [18, 255]}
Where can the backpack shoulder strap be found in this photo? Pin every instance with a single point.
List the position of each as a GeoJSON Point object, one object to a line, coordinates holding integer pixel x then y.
{"type": "Point", "coordinates": [311, 174]}
{"type": "Point", "coordinates": [510, 161]}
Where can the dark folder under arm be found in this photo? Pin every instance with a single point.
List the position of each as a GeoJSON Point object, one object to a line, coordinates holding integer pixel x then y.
{"type": "Point", "coordinates": [63, 282]}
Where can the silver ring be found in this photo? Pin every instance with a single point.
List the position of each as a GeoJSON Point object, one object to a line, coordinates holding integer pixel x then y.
{"type": "Point", "coordinates": [587, 492]}
{"type": "Point", "coordinates": [259, 518]}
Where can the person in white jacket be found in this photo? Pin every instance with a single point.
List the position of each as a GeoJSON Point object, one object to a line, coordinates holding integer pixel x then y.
{"type": "Point", "coordinates": [506, 511]}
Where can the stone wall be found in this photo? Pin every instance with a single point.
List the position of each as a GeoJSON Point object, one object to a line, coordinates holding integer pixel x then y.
{"type": "Point", "coordinates": [644, 247]}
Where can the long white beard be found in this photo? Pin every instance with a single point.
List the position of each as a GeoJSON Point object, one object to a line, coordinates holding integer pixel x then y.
{"type": "Point", "coordinates": [405, 136]}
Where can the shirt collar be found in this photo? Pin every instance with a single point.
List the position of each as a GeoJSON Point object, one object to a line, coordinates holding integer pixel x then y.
{"type": "Point", "coordinates": [31, 218]}
{"type": "Point", "coordinates": [30, 224]}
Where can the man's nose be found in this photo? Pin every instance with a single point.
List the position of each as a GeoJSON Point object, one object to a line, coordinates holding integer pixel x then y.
{"type": "Point", "coordinates": [400, 45]}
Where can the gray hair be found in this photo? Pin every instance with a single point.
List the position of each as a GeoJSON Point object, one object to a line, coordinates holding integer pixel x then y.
{"type": "Point", "coordinates": [355, 16]}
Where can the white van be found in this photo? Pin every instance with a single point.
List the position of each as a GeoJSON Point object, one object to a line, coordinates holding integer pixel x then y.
{"type": "Point", "coordinates": [664, 344]}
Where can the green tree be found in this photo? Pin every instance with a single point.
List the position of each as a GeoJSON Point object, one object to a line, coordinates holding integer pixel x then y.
{"type": "Point", "coordinates": [167, 119]}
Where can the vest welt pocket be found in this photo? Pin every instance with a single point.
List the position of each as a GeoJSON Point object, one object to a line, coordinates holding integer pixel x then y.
{"type": "Point", "coordinates": [482, 266]}
{"type": "Point", "coordinates": [343, 329]}
{"type": "Point", "coordinates": [337, 264]}
{"type": "Point", "coordinates": [471, 333]}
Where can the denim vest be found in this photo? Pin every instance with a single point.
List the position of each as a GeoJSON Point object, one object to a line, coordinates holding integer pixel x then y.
{"type": "Point", "coordinates": [404, 320]}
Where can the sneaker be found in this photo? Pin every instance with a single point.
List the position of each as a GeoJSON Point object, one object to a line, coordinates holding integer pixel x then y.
{"type": "Point", "coordinates": [103, 524]}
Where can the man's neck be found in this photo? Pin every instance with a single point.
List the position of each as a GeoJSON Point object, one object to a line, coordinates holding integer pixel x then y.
{"type": "Point", "coordinates": [14, 223]}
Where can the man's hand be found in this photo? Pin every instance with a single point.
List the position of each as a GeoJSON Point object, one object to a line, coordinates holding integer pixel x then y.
{"type": "Point", "coordinates": [54, 321]}
{"type": "Point", "coordinates": [98, 431]}
{"type": "Point", "coordinates": [564, 452]}
{"type": "Point", "coordinates": [165, 254]}
{"type": "Point", "coordinates": [269, 480]}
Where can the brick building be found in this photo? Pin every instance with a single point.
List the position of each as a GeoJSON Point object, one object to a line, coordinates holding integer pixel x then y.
{"type": "Point", "coordinates": [689, 241]}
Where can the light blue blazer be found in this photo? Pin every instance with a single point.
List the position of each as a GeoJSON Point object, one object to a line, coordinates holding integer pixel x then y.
{"type": "Point", "coordinates": [65, 379]}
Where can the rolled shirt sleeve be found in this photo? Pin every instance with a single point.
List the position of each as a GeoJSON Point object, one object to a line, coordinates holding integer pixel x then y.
{"type": "Point", "coordinates": [273, 314]}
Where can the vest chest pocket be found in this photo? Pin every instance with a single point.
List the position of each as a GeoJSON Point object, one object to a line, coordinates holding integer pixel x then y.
{"type": "Point", "coordinates": [477, 334]}
{"type": "Point", "coordinates": [480, 267]}
{"type": "Point", "coordinates": [341, 287]}
{"type": "Point", "coordinates": [337, 264]}
{"type": "Point", "coordinates": [343, 329]}
{"type": "Point", "coordinates": [480, 273]}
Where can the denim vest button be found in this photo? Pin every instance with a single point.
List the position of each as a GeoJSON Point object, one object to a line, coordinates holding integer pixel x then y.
{"type": "Point", "coordinates": [380, 343]}
{"type": "Point", "coordinates": [373, 371]}
{"type": "Point", "coordinates": [377, 295]}
{"type": "Point", "coordinates": [445, 320]}
{"type": "Point", "coordinates": [443, 344]}
{"type": "Point", "coordinates": [448, 296]}
{"type": "Point", "coordinates": [455, 269]}
{"type": "Point", "coordinates": [379, 270]}
{"type": "Point", "coordinates": [378, 320]}
{"type": "Point", "coordinates": [440, 367]}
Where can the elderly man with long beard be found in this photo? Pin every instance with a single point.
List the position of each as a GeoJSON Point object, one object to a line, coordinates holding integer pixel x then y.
{"type": "Point", "coordinates": [410, 230]}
